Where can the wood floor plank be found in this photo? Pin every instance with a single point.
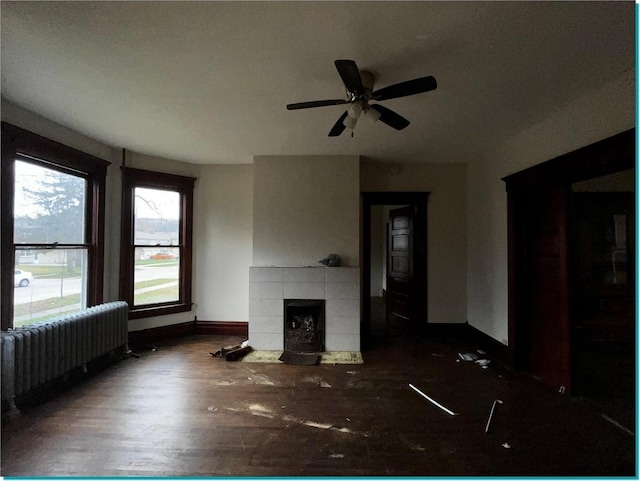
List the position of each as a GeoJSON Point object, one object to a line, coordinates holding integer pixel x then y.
{"type": "Point", "coordinates": [179, 412]}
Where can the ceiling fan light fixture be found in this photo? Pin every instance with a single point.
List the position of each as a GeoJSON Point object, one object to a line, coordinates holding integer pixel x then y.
{"type": "Point", "coordinates": [354, 110]}
{"type": "Point", "coordinates": [350, 122]}
{"type": "Point", "coordinates": [372, 115]}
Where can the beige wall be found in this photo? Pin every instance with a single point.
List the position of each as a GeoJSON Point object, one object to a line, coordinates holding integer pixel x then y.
{"type": "Point", "coordinates": [446, 228]}
{"type": "Point", "coordinates": [600, 114]}
{"type": "Point", "coordinates": [32, 122]}
{"type": "Point", "coordinates": [223, 236]}
{"type": "Point", "coordinates": [157, 164]}
{"type": "Point", "coordinates": [305, 208]}
{"type": "Point", "coordinates": [223, 200]}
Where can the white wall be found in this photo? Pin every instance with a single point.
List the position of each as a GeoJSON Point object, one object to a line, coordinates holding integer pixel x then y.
{"type": "Point", "coordinates": [159, 164]}
{"type": "Point", "coordinates": [305, 208]}
{"type": "Point", "coordinates": [223, 235]}
{"type": "Point", "coordinates": [600, 114]}
{"type": "Point", "coordinates": [446, 228]}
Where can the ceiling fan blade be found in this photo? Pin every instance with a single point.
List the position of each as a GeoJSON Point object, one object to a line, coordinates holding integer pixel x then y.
{"type": "Point", "coordinates": [316, 103]}
{"type": "Point", "coordinates": [402, 89]}
{"type": "Point", "coordinates": [339, 126]}
{"type": "Point", "coordinates": [390, 118]}
{"type": "Point", "coordinates": [350, 75]}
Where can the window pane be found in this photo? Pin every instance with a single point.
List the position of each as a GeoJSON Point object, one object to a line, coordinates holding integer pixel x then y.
{"type": "Point", "coordinates": [157, 214]}
{"type": "Point", "coordinates": [49, 206]}
{"type": "Point", "coordinates": [156, 275]}
{"type": "Point", "coordinates": [48, 283]}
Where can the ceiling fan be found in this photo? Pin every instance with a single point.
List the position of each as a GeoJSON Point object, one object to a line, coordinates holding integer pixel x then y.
{"type": "Point", "coordinates": [359, 85]}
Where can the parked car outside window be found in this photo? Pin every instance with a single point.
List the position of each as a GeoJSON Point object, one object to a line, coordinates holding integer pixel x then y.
{"type": "Point", "coordinates": [22, 278]}
{"type": "Point", "coordinates": [162, 255]}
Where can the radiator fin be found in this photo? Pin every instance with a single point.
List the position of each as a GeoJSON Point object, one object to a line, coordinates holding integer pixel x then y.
{"type": "Point", "coordinates": [37, 353]}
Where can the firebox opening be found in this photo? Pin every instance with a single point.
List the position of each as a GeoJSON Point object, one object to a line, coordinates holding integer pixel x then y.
{"type": "Point", "coordinates": [304, 325]}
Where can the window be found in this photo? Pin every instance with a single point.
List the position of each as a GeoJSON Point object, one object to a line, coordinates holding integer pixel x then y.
{"type": "Point", "coordinates": [156, 242]}
{"type": "Point", "coordinates": [52, 210]}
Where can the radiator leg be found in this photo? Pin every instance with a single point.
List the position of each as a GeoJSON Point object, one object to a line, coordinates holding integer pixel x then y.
{"type": "Point", "coordinates": [130, 353]}
{"type": "Point", "coordinates": [11, 402]}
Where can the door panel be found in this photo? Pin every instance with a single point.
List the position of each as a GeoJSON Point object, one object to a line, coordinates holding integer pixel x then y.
{"type": "Point", "coordinates": [400, 287]}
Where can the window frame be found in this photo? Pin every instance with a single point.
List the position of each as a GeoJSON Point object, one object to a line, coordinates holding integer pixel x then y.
{"type": "Point", "coordinates": [132, 178]}
{"type": "Point", "coordinates": [20, 144]}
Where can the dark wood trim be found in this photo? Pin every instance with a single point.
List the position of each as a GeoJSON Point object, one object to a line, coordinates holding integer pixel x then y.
{"type": "Point", "coordinates": [368, 199]}
{"type": "Point", "coordinates": [145, 338]}
{"type": "Point", "coordinates": [142, 339]}
{"type": "Point", "coordinates": [613, 154]}
{"type": "Point", "coordinates": [132, 178]}
{"type": "Point", "coordinates": [41, 148]}
{"type": "Point", "coordinates": [608, 156]}
{"type": "Point", "coordinates": [7, 260]}
{"type": "Point", "coordinates": [21, 144]}
{"type": "Point", "coordinates": [223, 328]}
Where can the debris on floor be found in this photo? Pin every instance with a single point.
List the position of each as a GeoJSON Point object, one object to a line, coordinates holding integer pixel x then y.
{"type": "Point", "coordinates": [469, 356]}
{"type": "Point", "coordinates": [472, 357]}
{"type": "Point", "coordinates": [233, 353]}
{"type": "Point", "coordinates": [237, 354]}
{"type": "Point", "coordinates": [506, 445]}
{"type": "Point", "coordinates": [497, 401]}
{"type": "Point", "coordinates": [618, 425]}
{"type": "Point", "coordinates": [300, 358]}
{"type": "Point", "coordinates": [435, 403]}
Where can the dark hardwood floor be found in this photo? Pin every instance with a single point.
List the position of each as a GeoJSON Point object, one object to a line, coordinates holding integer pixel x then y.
{"type": "Point", "coordinates": [179, 412]}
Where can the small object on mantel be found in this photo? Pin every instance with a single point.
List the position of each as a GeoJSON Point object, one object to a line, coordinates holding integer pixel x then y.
{"type": "Point", "coordinates": [332, 260]}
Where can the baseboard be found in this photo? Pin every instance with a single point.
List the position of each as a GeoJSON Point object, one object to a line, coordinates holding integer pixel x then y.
{"type": "Point", "coordinates": [141, 339]}
{"type": "Point", "coordinates": [222, 328]}
{"type": "Point", "coordinates": [491, 346]}
{"type": "Point", "coordinates": [463, 331]}
{"type": "Point", "coordinates": [446, 329]}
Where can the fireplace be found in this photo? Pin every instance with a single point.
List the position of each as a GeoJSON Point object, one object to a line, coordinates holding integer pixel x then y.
{"type": "Point", "coordinates": [337, 287]}
{"type": "Point", "coordinates": [304, 325]}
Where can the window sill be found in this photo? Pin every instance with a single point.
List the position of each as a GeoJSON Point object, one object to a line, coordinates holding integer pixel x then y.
{"type": "Point", "coordinates": [153, 311]}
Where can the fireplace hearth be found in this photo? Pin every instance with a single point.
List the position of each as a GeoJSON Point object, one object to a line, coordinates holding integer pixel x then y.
{"type": "Point", "coordinates": [304, 321]}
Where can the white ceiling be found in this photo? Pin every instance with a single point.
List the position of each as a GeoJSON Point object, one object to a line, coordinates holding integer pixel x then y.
{"type": "Point", "coordinates": [207, 82]}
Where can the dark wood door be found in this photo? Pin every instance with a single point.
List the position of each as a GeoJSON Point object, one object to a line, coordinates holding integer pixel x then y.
{"type": "Point", "coordinates": [548, 286]}
{"type": "Point", "coordinates": [400, 269]}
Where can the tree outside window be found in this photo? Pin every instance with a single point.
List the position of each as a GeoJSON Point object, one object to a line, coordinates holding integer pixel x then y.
{"type": "Point", "coordinates": [52, 210]}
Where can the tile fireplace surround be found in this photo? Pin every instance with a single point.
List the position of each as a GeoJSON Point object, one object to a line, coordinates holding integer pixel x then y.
{"type": "Point", "coordinates": [338, 286]}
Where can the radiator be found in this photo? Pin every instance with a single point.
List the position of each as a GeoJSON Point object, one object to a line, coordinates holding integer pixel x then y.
{"type": "Point", "coordinates": [35, 354]}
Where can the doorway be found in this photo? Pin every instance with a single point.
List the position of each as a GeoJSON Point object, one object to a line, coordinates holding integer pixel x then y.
{"type": "Point", "coordinates": [546, 227]}
{"type": "Point", "coordinates": [394, 253]}
{"type": "Point", "coordinates": [603, 252]}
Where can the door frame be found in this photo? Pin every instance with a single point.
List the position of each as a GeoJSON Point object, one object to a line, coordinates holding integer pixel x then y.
{"type": "Point", "coordinates": [369, 199]}
{"type": "Point", "coordinates": [607, 156]}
